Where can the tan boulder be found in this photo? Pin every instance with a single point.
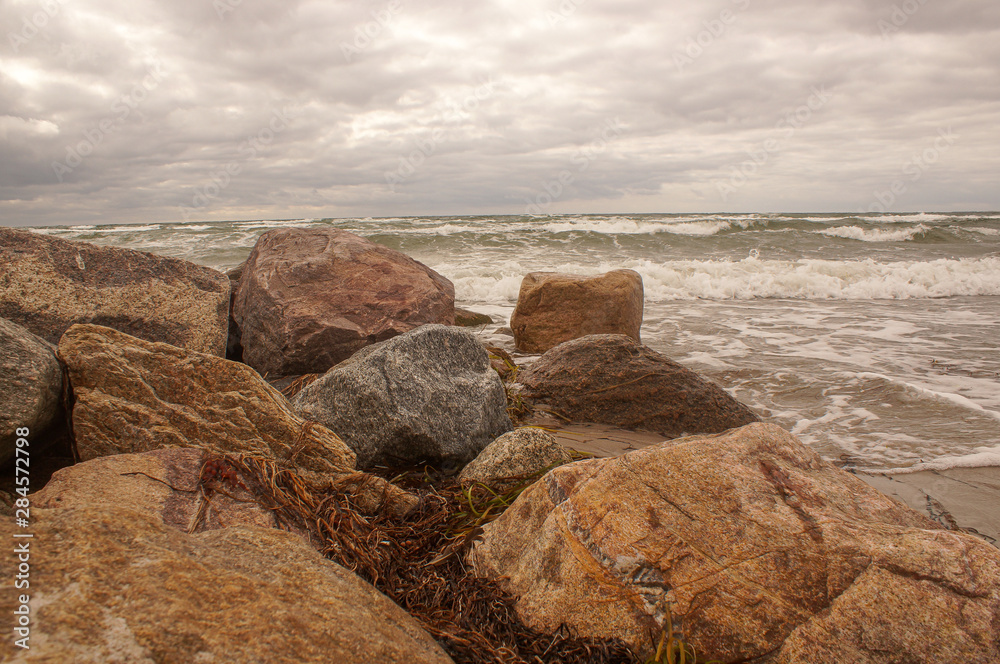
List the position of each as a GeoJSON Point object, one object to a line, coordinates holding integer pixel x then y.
{"type": "Point", "coordinates": [311, 297]}
{"type": "Point", "coordinates": [553, 308]}
{"type": "Point", "coordinates": [758, 548]}
{"type": "Point", "coordinates": [48, 284]}
{"type": "Point", "coordinates": [160, 483]}
{"type": "Point", "coordinates": [115, 585]}
{"type": "Point", "coordinates": [133, 396]}
{"type": "Point", "coordinates": [613, 379]}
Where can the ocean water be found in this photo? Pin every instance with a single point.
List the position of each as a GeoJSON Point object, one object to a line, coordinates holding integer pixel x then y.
{"type": "Point", "coordinates": [874, 338]}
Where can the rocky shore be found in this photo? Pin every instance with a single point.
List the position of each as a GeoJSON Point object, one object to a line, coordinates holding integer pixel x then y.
{"type": "Point", "coordinates": [307, 460]}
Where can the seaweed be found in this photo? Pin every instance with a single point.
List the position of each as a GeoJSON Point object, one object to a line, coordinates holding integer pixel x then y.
{"type": "Point", "coordinates": [418, 561]}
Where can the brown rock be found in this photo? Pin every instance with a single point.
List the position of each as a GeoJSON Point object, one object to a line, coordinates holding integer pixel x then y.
{"type": "Point", "coordinates": [161, 483]}
{"type": "Point", "coordinates": [466, 318]}
{"type": "Point", "coordinates": [758, 548]}
{"type": "Point", "coordinates": [310, 298]}
{"type": "Point", "coordinates": [553, 308]}
{"type": "Point", "coordinates": [134, 396]}
{"type": "Point", "coordinates": [612, 379]}
{"type": "Point", "coordinates": [48, 284]}
{"type": "Point", "coordinates": [115, 585]}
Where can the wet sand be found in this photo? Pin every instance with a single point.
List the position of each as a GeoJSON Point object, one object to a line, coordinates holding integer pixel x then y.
{"type": "Point", "coordinates": [959, 498]}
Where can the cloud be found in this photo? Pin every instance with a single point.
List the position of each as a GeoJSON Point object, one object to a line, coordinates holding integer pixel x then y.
{"type": "Point", "coordinates": [224, 109]}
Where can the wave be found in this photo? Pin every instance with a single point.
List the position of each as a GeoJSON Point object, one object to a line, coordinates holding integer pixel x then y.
{"type": "Point", "coordinates": [874, 234]}
{"type": "Point", "coordinates": [981, 457]}
{"type": "Point", "coordinates": [752, 278]}
{"type": "Point", "coordinates": [922, 217]}
{"type": "Point", "coordinates": [984, 231]}
{"type": "Point", "coordinates": [693, 226]}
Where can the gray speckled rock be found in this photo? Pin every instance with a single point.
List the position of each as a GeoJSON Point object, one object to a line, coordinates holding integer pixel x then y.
{"type": "Point", "coordinates": [47, 284]}
{"type": "Point", "coordinates": [30, 384]}
{"type": "Point", "coordinates": [429, 394]}
{"type": "Point", "coordinates": [514, 457]}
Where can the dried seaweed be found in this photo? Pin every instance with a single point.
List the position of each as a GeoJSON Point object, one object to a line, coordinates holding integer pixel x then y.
{"type": "Point", "coordinates": [419, 561]}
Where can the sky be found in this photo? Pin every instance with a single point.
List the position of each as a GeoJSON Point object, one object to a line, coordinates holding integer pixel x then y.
{"type": "Point", "coordinates": [191, 110]}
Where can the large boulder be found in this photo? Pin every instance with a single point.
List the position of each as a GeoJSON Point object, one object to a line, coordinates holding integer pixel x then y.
{"type": "Point", "coordinates": [116, 585]}
{"type": "Point", "coordinates": [311, 297]}
{"type": "Point", "coordinates": [134, 396]}
{"type": "Point", "coordinates": [613, 379]}
{"type": "Point", "coordinates": [48, 284]}
{"type": "Point", "coordinates": [554, 307]}
{"type": "Point", "coordinates": [756, 546]}
{"type": "Point", "coordinates": [427, 395]}
{"type": "Point", "coordinates": [31, 384]}
{"type": "Point", "coordinates": [514, 458]}
{"type": "Point", "coordinates": [162, 483]}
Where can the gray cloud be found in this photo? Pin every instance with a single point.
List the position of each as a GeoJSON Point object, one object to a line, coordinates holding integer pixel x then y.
{"type": "Point", "coordinates": [221, 109]}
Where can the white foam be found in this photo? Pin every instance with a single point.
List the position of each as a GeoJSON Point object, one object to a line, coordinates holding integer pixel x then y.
{"type": "Point", "coordinates": [753, 278]}
{"type": "Point", "coordinates": [874, 234]}
{"type": "Point", "coordinates": [980, 457]}
{"type": "Point", "coordinates": [675, 225]}
{"type": "Point", "coordinates": [984, 231]}
{"type": "Point", "coordinates": [956, 399]}
{"type": "Point", "coordinates": [923, 217]}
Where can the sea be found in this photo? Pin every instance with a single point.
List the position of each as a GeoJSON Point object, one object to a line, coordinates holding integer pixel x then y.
{"type": "Point", "coordinates": [874, 338]}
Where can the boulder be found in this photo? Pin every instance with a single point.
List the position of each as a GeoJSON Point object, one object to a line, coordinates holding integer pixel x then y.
{"type": "Point", "coordinates": [553, 308]}
{"type": "Point", "coordinates": [31, 384]}
{"type": "Point", "coordinates": [613, 379]}
{"type": "Point", "coordinates": [161, 483]}
{"type": "Point", "coordinates": [116, 585]}
{"type": "Point", "coordinates": [48, 284]}
{"type": "Point", "coordinates": [514, 458]}
{"type": "Point", "coordinates": [134, 396]}
{"type": "Point", "coordinates": [311, 297]}
{"type": "Point", "coordinates": [757, 548]}
{"type": "Point", "coordinates": [427, 395]}
{"type": "Point", "coordinates": [466, 318]}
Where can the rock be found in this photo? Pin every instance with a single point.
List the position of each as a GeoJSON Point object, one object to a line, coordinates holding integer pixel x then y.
{"type": "Point", "coordinates": [116, 585]}
{"type": "Point", "coordinates": [466, 318]}
{"type": "Point", "coordinates": [31, 384]}
{"type": "Point", "coordinates": [48, 284]}
{"type": "Point", "coordinates": [759, 548]}
{"type": "Point", "coordinates": [311, 297]}
{"type": "Point", "coordinates": [514, 458]}
{"type": "Point", "coordinates": [427, 395]}
{"type": "Point", "coordinates": [612, 379]}
{"type": "Point", "coordinates": [135, 396]}
{"type": "Point", "coordinates": [161, 483]}
{"type": "Point", "coordinates": [553, 308]}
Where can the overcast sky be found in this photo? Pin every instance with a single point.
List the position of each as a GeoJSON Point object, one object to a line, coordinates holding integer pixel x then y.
{"type": "Point", "coordinates": [173, 110]}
